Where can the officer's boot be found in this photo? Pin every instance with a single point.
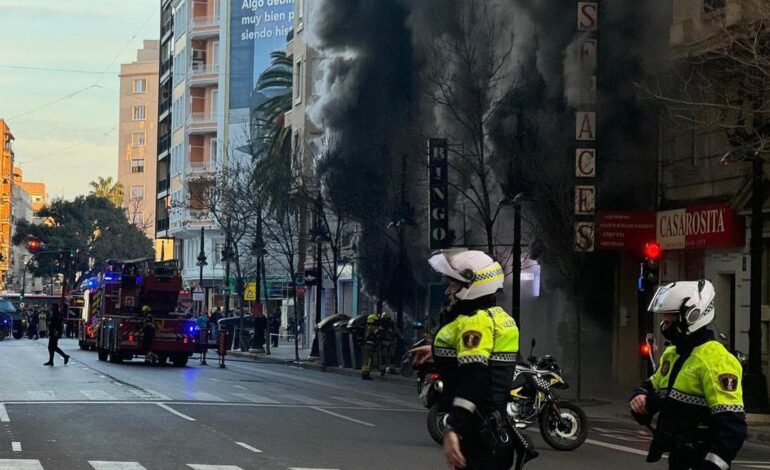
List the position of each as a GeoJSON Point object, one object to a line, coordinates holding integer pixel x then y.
{"type": "Point", "coordinates": [525, 450]}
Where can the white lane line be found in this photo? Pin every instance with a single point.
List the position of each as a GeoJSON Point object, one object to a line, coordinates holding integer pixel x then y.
{"type": "Point", "coordinates": [107, 465]}
{"type": "Point", "coordinates": [241, 387]}
{"type": "Point", "coordinates": [246, 446]}
{"type": "Point", "coordinates": [620, 448]}
{"type": "Point", "coordinates": [305, 400]}
{"type": "Point", "coordinates": [254, 398]}
{"type": "Point", "coordinates": [213, 467]}
{"type": "Point", "coordinates": [175, 412]}
{"type": "Point", "coordinates": [11, 464]}
{"type": "Point", "coordinates": [4, 418]}
{"type": "Point", "coordinates": [97, 395]}
{"type": "Point", "coordinates": [348, 418]}
{"type": "Point", "coordinates": [362, 403]}
{"type": "Point", "coordinates": [40, 394]}
{"type": "Point", "coordinates": [16, 446]}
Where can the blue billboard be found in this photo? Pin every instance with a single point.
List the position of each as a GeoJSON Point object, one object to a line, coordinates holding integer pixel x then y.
{"type": "Point", "coordinates": [257, 28]}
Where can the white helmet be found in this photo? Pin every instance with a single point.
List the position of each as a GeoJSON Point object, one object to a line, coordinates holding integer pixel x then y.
{"type": "Point", "coordinates": [477, 271]}
{"type": "Point", "coordinates": [692, 300]}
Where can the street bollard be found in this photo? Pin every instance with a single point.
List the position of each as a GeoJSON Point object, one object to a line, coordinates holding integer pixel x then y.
{"type": "Point", "coordinates": [222, 347]}
{"type": "Point", "coordinates": [204, 344]}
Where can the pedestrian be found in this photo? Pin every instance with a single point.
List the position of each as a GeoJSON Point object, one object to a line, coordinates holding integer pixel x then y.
{"type": "Point", "coordinates": [475, 354]}
{"type": "Point", "coordinates": [275, 328]}
{"type": "Point", "coordinates": [54, 333]}
{"type": "Point", "coordinates": [260, 327]}
{"type": "Point", "coordinates": [32, 319]}
{"type": "Point", "coordinates": [214, 322]}
{"type": "Point", "coordinates": [42, 323]}
{"type": "Point", "coordinates": [697, 389]}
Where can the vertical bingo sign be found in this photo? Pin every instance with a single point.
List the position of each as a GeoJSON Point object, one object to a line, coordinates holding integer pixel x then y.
{"type": "Point", "coordinates": [439, 198]}
{"type": "Point", "coordinates": [585, 129]}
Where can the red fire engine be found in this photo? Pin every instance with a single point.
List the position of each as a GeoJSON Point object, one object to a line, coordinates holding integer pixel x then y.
{"type": "Point", "coordinates": [126, 289]}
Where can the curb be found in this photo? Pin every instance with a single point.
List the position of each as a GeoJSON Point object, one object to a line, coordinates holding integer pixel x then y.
{"type": "Point", "coordinates": [313, 365]}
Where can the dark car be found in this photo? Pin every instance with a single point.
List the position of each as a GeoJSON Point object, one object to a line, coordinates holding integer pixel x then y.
{"type": "Point", "coordinates": [6, 323]}
{"type": "Point", "coordinates": [16, 320]}
{"type": "Point", "coordinates": [230, 324]}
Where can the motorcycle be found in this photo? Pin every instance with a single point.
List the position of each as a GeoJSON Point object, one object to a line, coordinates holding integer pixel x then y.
{"type": "Point", "coordinates": [563, 425]}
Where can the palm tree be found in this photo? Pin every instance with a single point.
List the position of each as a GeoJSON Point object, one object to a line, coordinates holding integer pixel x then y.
{"type": "Point", "coordinates": [109, 189]}
{"type": "Point", "coordinates": [275, 82]}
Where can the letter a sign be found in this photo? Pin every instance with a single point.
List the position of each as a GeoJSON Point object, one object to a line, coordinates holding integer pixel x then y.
{"type": "Point", "coordinates": [439, 200]}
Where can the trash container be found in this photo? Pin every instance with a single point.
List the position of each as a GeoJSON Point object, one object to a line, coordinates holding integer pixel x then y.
{"type": "Point", "coordinates": [343, 345]}
{"type": "Point", "coordinates": [356, 331]}
{"type": "Point", "coordinates": [327, 350]}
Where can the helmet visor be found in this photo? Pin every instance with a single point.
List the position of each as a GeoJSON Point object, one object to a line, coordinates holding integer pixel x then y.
{"type": "Point", "coordinates": [441, 261]}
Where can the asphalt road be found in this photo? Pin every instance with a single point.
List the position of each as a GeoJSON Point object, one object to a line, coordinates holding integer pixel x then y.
{"type": "Point", "coordinates": [103, 416]}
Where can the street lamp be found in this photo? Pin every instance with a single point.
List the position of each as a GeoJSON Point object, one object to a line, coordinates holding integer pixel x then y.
{"type": "Point", "coordinates": [201, 264]}
{"type": "Point", "coordinates": [754, 383]}
{"type": "Point", "coordinates": [515, 255]}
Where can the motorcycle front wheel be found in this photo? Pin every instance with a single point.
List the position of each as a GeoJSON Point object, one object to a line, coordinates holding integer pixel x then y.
{"type": "Point", "coordinates": [564, 432]}
{"type": "Point", "coordinates": [436, 427]}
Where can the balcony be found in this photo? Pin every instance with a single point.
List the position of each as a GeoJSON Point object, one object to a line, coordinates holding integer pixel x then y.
{"type": "Point", "coordinates": [163, 185]}
{"type": "Point", "coordinates": [201, 123]}
{"type": "Point", "coordinates": [164, 145]}
{"type": "Point", "coordinates": [204, 27]}
{"type": "Point", "coordinates": [200, 169]}
{"type": "Point", "coordinates": [200, 74]}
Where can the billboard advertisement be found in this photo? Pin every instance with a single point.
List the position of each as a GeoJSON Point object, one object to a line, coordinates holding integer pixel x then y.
{"type": "Point", "coordinates": [257, 29]}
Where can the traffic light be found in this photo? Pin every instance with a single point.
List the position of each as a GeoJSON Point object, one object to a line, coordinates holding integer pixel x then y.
{"type": "Point", "coordinates": [652, 251]}
{"type": "Point", "coordinates": [34, 245]}
{"type": "Point", "coordinates": [649, 275]}
{"type": "Point", "coordinates": [645, 350]}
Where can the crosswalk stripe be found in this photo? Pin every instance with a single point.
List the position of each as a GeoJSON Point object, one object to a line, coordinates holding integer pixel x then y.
{"type": "Point", "coordinates": [149, 394]}
{"type": "Point", "coordinates": [97, 395]}
{"type": "Point", "coordinates": [18, 464]}
{"type": "Point", "coordinates": [4, 414]}
{"type": "Point", "coordinates": [254, 398]}
{"type": "Point", "coordinates": [40, 394]}
{"type": "Point", "coordinates": [306, 400]}
{"type": "Point", "coordinates": [107, 465]}
{"type": "Point", "coordinates": [248, 447]}
{"type": "Point", "coordinates": [213, 467]}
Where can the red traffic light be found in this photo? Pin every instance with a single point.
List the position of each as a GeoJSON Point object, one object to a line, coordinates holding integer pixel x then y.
{"type": "Point", "coordinates": [645, 350]}
{"type": "Point", "coordinates": [652, 251]}
{"type": "Point", "coordinates": [33, 245]}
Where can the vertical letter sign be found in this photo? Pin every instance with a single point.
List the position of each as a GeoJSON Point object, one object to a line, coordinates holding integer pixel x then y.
{"type": "Point", "coordinates": [439, 202]}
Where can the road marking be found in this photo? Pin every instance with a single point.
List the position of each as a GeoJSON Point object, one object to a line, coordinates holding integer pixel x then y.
{"type": "Point", "coordinates": [173, 411]}
{"type": "Point", "coordinates": [246, 446]}
{"type": "Point", "coordinates": [254, 398]}
{"type": "Point", "coordinates": [213, 467]}
{"type": "Point", "coordinates": [241, 387]}
{"type": "Point", "coordinates": [10, 464]}
{"type": "Point", "coordinates": [353, 420]}
{"type": "Point", "coordinates": [16, 446]}
{"type": "Point", "coordinates": [363, 403]}
{"type": "Point", "coordinates": [97, 395]}
{"type": "Point", "coordinates": [307, 468]}
{"type": "Point", "coordinates": [105, 465]}
{"type": "Point", "coordinates": [306, 400]}
{"type": "Point", "coordinates": [149, 395]}
{"type": "Point", "coordinates": [203, 396]}
{"type": "Point", "coordinates": [4, 418]}
{"type": "Point", "coordinates": [620, 448]}
{"type": "Point", "coordinates": [40, 394]}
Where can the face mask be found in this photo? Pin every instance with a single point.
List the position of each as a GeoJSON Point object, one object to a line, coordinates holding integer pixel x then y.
{"type": "Point", "coordinates": [675, 333]}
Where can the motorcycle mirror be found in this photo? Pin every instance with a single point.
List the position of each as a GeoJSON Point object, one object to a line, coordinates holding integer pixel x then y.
{"type": "Point", "coordinates": [723, 336]}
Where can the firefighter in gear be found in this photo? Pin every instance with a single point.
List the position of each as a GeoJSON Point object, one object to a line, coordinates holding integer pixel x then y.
{"type": "Point", "coordinates": [475, 353]}
{"type": "Point", "coordinates": [697, 388]}
{"type": "Point", "coordinates": [148, 334]}
{"type": "Point", "coordinates": [370, 345]}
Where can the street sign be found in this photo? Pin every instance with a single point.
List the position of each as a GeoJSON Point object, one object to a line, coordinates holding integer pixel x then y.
{"type": "Point", "coordinates": [197, 294]}
{"type": "Point", "coordinates": [299, 279]}
{"type": "Point", "coordinates": [250, 293]}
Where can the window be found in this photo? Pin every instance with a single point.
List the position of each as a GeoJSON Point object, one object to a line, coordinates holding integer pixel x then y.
{"type": "Point", "coordinates": [139, 113]}
{"type": "Point", "coordinates": [298, 72]}
{"type": "Point", "coordinates": [137, 192]}
{"type": "Point", "coordinates": [218, 248]}
{"type": "Point", "coordinates": [140, 85]}
{"type": "Point", "coordinates": [137, 139]}
{"type": "Point", "coordinates": [713, 5]}
{"type": "Point", "coordinates": [137, 166]}
{"type": "Point", "coordinates": [213, 156]}
{"type": "Point", "coordinates": [138, 218]}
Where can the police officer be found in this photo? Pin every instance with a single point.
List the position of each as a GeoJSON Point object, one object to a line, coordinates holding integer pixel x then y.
{"type": "Point", "coordinates": [370, 345]}
{"type": "Point", "coordinates": [475, 353]}
{"type": "Point", "coordinates": [697, 388]}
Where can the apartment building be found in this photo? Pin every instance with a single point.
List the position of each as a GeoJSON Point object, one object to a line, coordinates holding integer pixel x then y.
{"type": "Point", "coordinates": [137, 136]}
{"type": "Point", "coordinates": [6, 190]}
{"type": "Point", "coordinates": [21, 210]}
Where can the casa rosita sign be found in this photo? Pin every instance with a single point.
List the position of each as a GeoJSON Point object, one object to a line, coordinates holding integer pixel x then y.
{"type": "Point", "coordinates": [696, 227]}
{"type": "Point", "coordinates": [706, 226]}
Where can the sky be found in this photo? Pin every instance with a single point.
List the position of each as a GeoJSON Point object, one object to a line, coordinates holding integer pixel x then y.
{"type": "Point", "coordinates": [65, 123]}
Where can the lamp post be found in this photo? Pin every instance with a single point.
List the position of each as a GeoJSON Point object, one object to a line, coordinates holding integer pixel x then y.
{"type": "Point", "coordinates": [227, 256]}
{"type": "Point", "coordinates": [258, 248]}
{"type": "Point", "coordinates": [754, 382]}
{"type": "Point", "coordinates": [201, 264]}
{"type": "Point", "coordinates": [515, 254]}
{"type": "Point", "coordinates": [318, 238]}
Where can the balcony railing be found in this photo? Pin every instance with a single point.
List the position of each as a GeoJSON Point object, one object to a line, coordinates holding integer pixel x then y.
{"type": "Point", "coordinates": [163, 185]}
{"type": "Point", "coordinates": [198, 69]}
{"type": "Point", "coordinates": [198, 168]}
{"type": "Point", "coordinates": [204, 22]}
{"type": "Point", "coordinates": [164, 143]}
{"type": "Point", "coordinates": [201, 118]}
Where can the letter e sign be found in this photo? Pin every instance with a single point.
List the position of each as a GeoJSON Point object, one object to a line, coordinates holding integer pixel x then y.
{"type": "Point", "coordinates": [585, 163]}
{"type": "Point", "coordinates": [585, 199]}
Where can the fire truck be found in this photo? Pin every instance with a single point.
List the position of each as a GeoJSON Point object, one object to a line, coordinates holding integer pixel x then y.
{"type": "Point", "coordinates": [119, 332]}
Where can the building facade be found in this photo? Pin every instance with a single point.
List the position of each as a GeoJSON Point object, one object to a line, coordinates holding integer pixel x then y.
{"type": "Point", "coordinates": [6, 195]}
{"type": "Point", "coordinates": [137, 136]}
